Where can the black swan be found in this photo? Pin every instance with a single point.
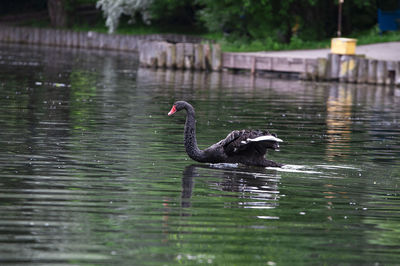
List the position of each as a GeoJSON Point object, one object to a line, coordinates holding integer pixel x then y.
{"type": "Point", "coordinates": [245, 146]}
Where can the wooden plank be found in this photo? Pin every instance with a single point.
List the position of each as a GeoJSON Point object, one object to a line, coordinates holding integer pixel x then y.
{"type": "Point", "coordinates": [52, 37]}
{"type": "Point", "coordinates": [161, 53]}
{"type": "Point", "coordinates": [334, 66]}
{"type": "Point", "coordinates": [347, 66]}
{"type": "Point", "coordinates": [16, 35]}
{"type": "Point", "coordinates": [107, 41]}
{"type": "Point", "coordinates": [372, 71]}
{"type": "Point", "coordinates": [311, 69]}
{"type": "Point", "coordinates": [352, 70]}
{"type": "Point", "coordinates": [75, 41]}
{"type": "Point", "coordinates": [180, 55]}
{"type": "Point", "coordinates": [152, 54]}
{"type": "Point", "coordinates": [397, 74]}
{"type": "Point", "coordinates": [391, 75]}
{"type": "Point", "coordinates": [5, 34]}
{"type": "Point", "coordinates": [237, 61]}
{"type": "Point", "coordinates": [124, 43]}
{"type": "Point", "coordinates": [36, 35]}
{"type": "Point", "coordinates": [263, 63]}
{"type": "Point", "coordinates": [21, 35]}
{"type": "Point", "coordinates": [322, 68]}
{"type": "Point", "coordinates": [207, 56]}
{"type": "Point", "coordinates": [45, 37]}
{"type": "Point", "coordinates": [142, 55]}
{"type": "Point", "coordinates": [253, 66]}
{"type": "Point", "coordinates": [362, 70]}
{"type": "Point", "coordinates": [56, 37]}
{"type": "Point", "coordinates": [63, 38]}
{"type": "Point", "coordinates": [198, 57]}
{"type": "Point", "coordinates": [147, 54]}
{"type": "Point", "coordinates": [91, 39]}
{"type": "Point", "coordinates": [188, 55]}
{"type": "Point", "coordinates": [171, 55]}
{"type": "Point", "coordinates": [381, 72]}
{"type": "Point", "coordinates": [288, 64]}
{"type": "Point", "coordinates": [216, 57]}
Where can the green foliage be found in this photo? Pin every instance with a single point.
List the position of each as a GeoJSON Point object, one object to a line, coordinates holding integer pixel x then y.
{"type": "Point", "coordinates": [374, 36]}
{"type": "Point", "coordinates": [270, 45]}
{"type": "Point", "coordinates": [364, 37]}
{"type": "Point", "coordinates": [281, 20]}
{"type": "Point", "coordinates": [173, 12]}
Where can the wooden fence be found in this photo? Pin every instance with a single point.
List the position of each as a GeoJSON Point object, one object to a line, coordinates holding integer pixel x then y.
{"type": "Point", "coordinates": [89, 39]}
{"type": "Point", "coordinates": [190, 52]}
{"type": "Point", "coordinates": [358, 69]}
{"type": "Point", "coordinates": [343, 68]}
{"type": "Point", "coordinates": [180, 55]}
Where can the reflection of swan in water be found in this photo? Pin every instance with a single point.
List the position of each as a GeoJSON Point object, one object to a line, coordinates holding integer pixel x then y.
{"type": "Point", "coordinates": [257, 187]}
{"type": "Point", "coordinates": [187, 185]}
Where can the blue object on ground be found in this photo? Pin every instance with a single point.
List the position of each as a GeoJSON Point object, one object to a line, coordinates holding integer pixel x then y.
{"type": "Point", "coordinates": [388, 20]}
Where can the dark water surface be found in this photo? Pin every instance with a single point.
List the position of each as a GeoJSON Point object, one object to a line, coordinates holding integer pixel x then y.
{"type": "Point", "coordinates": [93, 171]}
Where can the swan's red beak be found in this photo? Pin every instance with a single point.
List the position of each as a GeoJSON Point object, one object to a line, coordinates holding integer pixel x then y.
{"type": "Point", "coordinates": [173, 110]}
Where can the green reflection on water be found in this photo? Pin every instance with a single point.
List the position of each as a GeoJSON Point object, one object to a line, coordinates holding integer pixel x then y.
{"type": "Point", "coordinates": [83, 92]}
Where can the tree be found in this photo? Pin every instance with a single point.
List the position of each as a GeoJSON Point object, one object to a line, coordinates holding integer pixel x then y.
{"type": "Point", "coordinates": [175, 13]}
{"type": "Point", "coordinates": [57, 13]}
{"type": "Point", "coordinates": [280, 20]}
{"type": "Point", "coordinates": [114, 9]}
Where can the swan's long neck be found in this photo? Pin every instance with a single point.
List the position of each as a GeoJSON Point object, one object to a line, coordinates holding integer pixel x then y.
{"type": "Point", "coordinates": [190, 136]}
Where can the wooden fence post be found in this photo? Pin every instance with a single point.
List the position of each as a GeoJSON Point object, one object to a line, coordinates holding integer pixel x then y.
{"type": "Point", "coordinates": [322, 68]}
{"type": "Point", "coordinates": [381, 72]}
{"type": "Point", "coordinates": [180, 55]}
{"type": "Point", "coordinates": [362, 71]}
{"type": "Point", "coordinates": [216, 57]}
{"type": "Point", "coordinates": [397, 74]}
{"type": "Point", "coordinates": [171, 55]}
{"type": "Point", "coordinates": [161, 52]}
{"type": "Point", "coordinates": [334, 66]}
{"type": "Point", "coordinates": [207, 56]}
{"type": "Point", "coordinates": [372, 71]}
{"type": "Point", "coordinates": [188, 55]}
{"type": "Point", "coordinates": [343, 68]}
{"type": "Point", "coordinates": [198, 57]}
{"type": "Point", "coordinates": [352, 70]}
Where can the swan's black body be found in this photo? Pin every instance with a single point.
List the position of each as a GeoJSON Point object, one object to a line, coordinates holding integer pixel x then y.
{"type": "Point", "coordinates": [246, 146]}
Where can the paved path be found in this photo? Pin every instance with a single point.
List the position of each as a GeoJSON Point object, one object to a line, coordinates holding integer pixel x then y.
{"type": "Point", "coordinates": [381, 51]}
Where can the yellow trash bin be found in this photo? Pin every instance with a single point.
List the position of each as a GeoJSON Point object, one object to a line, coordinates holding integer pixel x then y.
{"type": "Point", "coordinates": [345, 46]}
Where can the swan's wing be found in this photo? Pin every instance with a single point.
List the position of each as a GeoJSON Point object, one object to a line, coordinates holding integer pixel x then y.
{"type": "Point", "coordinates": [230, 138]}
{"type": "Point", "coordinates": [262, 139]}
{"type": "Point", "coordinates": [251, 141]}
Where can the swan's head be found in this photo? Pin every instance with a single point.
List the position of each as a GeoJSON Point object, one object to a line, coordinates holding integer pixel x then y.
{"type": "Point", "coordinates": [179, 105]}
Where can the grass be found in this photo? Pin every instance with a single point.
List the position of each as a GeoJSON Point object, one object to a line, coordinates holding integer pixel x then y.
{"type": "Point", "coordinates": [270, 45]}
{"type": "Point", "coordinates": [365, 37]}
{"type": "Point", "coordinates": [140, 29]}
{"type": "Point", "coordinates": [374, 36]}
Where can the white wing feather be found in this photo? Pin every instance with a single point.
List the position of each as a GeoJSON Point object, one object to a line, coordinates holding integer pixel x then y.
{"type": "Point", "coordinates": [265, 138]}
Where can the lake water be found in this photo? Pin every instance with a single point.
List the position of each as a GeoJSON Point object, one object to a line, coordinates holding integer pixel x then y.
{"type": "Point", "coordinates": [93, 171]}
